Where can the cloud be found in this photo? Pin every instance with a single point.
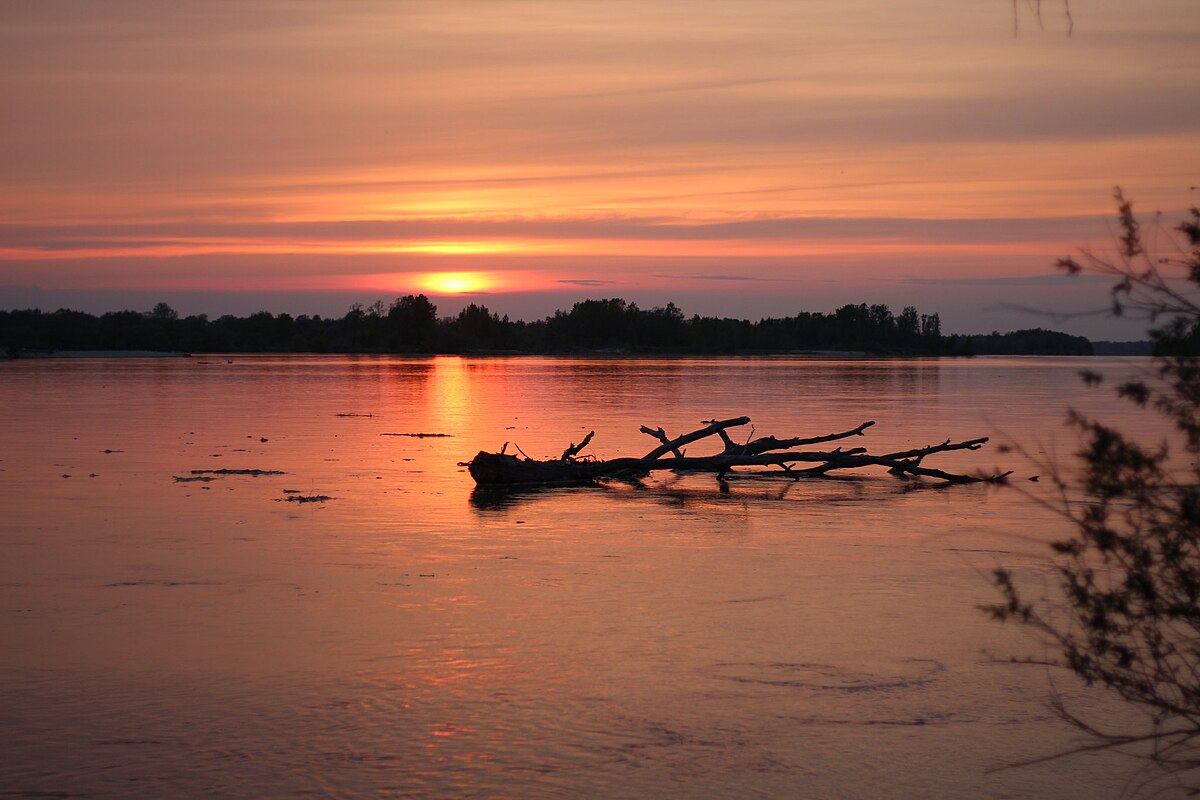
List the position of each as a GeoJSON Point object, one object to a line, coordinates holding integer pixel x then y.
{"type": "Point", "coordinates": [1013, 280]}
{"type": "Point", "coordinates": [137, 94]}
{"type": "Point", "coordinates": [754, 278]}
{"type": "Point", "coordinates": [612, 228]}
{"type": "Point", "coordinates": [585, 282]}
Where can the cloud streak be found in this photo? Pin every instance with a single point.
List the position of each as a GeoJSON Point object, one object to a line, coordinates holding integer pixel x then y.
{"type": "Point", "coordinates": [348, 232]}
{"type": "Point", "coordinates": [1016, 280]}
{"type": "Point", "coordinates": [737, 278]}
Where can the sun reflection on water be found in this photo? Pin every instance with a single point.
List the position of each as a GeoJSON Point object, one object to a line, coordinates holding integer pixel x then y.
{"type": "Point", "coordinates": [405, 638]}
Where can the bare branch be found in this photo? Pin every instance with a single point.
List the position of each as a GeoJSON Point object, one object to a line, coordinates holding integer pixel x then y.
{"type": "Point", "coordinates": [768, 443]}
{"type": "Point", "coordinates": [501, 469]}
{"type": "Point", "coordinates": [574, 449]}
{"type": "Point", "coordinates": [661, 435]}
{"type": "Point", "coordinates": [713, 427]}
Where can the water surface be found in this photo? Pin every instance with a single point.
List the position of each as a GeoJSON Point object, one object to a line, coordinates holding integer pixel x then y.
{"type": "Point", "coordinates": [410, 638]}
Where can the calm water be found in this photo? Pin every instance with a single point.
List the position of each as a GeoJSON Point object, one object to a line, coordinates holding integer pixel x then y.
{"type": "Point", "coordinates": [409, 639]}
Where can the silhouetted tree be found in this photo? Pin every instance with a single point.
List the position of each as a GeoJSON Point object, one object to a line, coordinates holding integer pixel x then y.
{"type": "Point", "coordinates": [593, 324]}
{"type": "Point", "coordinates": [1126, 615]}
{"type": "Point", "coordinates": [662, 328]}
{"type": "Point", "coordinates": [908, 326]}
{"type": "Point", "coordinates": [476, 327]}
{"type": "Point", "coordinates": [163, 311]}
{"type": "Point", "coordinates": [413, 323]}
{"type": "Point", "coordinates": [353, 321]}
{"type": "Point", "coordinates": [931, 328]}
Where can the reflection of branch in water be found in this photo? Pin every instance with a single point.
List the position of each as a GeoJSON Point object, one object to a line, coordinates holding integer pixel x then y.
{"type": "Point", "coordinates": [743, 491]}
{"type": "Point", "coordinates": [498, 498]}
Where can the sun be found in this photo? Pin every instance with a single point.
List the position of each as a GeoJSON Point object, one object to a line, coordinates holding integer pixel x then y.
{"type": "Point", "coordinates": [455, 282]}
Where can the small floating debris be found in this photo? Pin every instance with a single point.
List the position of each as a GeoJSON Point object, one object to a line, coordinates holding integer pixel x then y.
{"type": "Point", "coordinates": [194, 478]}
{"type": "Point", "coordinates": [422, 435]}
{"type": "Point", "coordinates": [109, 452]}
{"type": "Point", "coordinates": [253, 472]}
{"type": "Point", "coordinates": [307, 498]}
{"type": "Point", "coordinates": [354, 415]}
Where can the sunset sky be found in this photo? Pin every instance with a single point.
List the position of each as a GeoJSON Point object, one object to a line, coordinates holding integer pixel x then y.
{"type": "Point", "coordinates": [743, 159]}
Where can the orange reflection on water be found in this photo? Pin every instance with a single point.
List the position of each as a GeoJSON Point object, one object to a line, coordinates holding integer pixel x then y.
{"type": "Point", "coordinates": [449, 729]}
{"type": "Point", "coordinates": [450, 405]}
{"type": "Point", "coordinates": [455, 668]}
{"type": "Point", "coordinates": [402, 623]}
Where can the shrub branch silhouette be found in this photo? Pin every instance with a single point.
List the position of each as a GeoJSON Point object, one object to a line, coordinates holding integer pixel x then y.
{"type": "Point", "coordinates": [1126, 615]}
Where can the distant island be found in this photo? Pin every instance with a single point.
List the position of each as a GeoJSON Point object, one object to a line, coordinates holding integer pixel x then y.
{"type": "Point", "coordinates": [411, 325]}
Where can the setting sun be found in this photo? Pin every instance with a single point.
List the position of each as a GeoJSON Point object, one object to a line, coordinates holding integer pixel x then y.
{"type": "Point", "coordinates": [456, 282]}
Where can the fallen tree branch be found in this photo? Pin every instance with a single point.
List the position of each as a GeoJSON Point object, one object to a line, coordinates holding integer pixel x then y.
{"type": "Point", "coordinates": [767, 443]}
{"type": "Point", "coordinates": [500, 469]}
{"type": "Point", "coordinates": [714, 426]}
{"type": "Point", "coordinates": [971, 444]}
{"type": "Point", "coordinates": [574, 449]}
{"type": "Point", "coordinates": [661, 435]}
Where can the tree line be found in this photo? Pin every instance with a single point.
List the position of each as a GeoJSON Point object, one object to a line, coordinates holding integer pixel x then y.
{"type": "Point", "coordinates": [411, 324]}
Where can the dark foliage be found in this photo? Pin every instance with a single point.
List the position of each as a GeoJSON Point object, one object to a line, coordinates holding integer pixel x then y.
{"type": "Point", "coordinates": [1126, 615]}
{"type": "Point", "coordinates": [1139, 348]}
{"type": "Point", "coordinates": [1030, 342]}
{"type": "Point", "coordinates": [411, 325]}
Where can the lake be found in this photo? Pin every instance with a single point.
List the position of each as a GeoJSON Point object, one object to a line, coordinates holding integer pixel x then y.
{"type": "Point", "coordinates": [411, 638]}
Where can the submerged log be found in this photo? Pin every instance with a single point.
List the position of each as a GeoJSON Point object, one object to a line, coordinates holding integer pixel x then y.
{"type": "Point", "coordinates": [503, 469]}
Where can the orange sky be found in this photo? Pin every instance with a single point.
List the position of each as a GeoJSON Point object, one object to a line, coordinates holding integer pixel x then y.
{"type": "Point", "coordinates": [747, 159]}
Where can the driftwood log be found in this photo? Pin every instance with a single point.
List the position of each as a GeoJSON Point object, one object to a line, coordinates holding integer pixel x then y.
{"type": "Point", "coordinates": [504, 469]}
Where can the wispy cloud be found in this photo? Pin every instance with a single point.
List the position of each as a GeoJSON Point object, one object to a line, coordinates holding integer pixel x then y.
{"type": "Point", "coordinates": [738, 278]}
{"type": "Point", "coordinates": [565, 228]}
{"type": "Point", "coordinates": [1012, 280]}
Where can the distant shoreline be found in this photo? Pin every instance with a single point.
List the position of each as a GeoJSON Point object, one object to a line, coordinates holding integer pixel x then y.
{"type": "Point", "coordinates": [62, 354]}
{"type": "Point", "coordinates": [411, 325]}
{"type": "Point", "coordinates": [609, 326]}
